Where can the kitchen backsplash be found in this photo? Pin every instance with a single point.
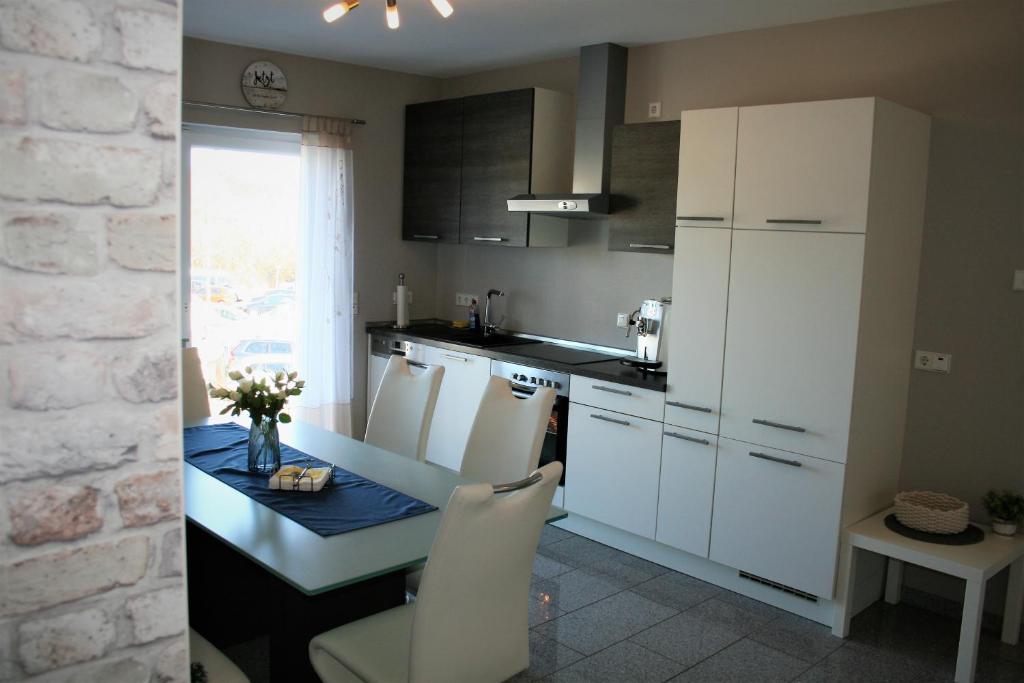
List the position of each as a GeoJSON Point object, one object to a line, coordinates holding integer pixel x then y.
{"type": "Point", "coordinates": [569, 293]}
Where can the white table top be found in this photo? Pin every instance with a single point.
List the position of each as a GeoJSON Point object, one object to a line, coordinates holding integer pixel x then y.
{"type": "Point", "coordinates": [306, 560]}
{"type": "Point", "coordinates": [976, 562]}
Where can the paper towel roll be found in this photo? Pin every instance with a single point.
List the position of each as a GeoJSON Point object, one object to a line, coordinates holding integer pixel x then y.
{"type": "Point", "coordinates": [402, 300]}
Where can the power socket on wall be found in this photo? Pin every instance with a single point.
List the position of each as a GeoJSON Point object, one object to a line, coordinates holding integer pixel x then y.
{"type": "Point", "coordinates": [932, 361]}
{"type": "Point", "coordinates": [465, 299]}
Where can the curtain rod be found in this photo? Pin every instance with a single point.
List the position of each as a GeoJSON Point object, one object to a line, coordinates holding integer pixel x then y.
{"type": "Point", "coordinates": [271, 112]}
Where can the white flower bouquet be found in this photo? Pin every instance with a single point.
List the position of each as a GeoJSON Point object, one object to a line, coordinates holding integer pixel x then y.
{"type": "Point", "coordinates": [262, 396]}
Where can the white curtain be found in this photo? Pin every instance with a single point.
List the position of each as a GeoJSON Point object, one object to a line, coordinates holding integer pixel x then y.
{"type": "Point", "coordinates": [324, 276]}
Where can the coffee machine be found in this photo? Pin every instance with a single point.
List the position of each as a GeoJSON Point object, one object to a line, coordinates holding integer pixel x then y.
{"type": "Point", "coordinates": [651, 322]}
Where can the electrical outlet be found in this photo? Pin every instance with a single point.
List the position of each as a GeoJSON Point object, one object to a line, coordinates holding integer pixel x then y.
{"type": "Point", "coordinates": [465, 299]}
{"type": "Point", "coordinates": [1018, 280]}
{"type": "Point", "coordinates": [622, 320]}
{"type": "Point", "coordinates": [654, 110]}
{"type": "Point", "coordinates": [932, 361]}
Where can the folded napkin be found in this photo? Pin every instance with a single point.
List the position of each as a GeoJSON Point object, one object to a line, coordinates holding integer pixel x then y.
{"type": "Point", "coordinates": [287, 478]}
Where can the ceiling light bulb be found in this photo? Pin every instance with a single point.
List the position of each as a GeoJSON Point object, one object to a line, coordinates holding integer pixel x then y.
{"type": "Point", "coordinates": [339, 9]}
{"type": "Point", "coordinates": [392, 14]}
{"type": "Point", "coordinates": [443, 7]}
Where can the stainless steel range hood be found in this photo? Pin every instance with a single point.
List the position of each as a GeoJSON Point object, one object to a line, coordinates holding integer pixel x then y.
{"type": "Point", "coordinates": [600, 106]}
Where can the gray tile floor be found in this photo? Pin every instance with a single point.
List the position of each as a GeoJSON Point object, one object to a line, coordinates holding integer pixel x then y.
{"type": "Point", "coordinates": [600, 615]}
{"type": "Point", "coordinates": [597, 614]}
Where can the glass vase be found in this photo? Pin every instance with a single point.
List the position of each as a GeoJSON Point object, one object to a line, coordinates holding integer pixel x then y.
{"type": "Point", "coordinates": [264, 446]}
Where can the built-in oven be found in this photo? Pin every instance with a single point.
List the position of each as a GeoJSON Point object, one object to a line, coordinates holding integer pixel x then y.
{"type": "Point", "coordinates": [382, 347]}
{"type": "Point", "coordinates": [524, 381]}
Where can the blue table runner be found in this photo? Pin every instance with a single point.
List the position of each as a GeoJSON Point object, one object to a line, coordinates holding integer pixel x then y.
{"type": "Point", "coordinates": [348, 503]}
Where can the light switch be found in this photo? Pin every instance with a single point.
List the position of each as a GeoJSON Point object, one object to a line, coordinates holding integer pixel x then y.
{"type": "Point", "coordinates": [654, 110]}
{"type": "Point", "coordinates": [1018, 280]}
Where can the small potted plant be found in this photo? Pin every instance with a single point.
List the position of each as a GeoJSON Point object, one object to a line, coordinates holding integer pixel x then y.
{"type": "Point", "coordinates": [1006, 508]}
{"type": "Point", "coordinates": [263, 397]}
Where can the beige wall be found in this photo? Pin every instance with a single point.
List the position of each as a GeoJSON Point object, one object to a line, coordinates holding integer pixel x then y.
{"type": "Point", "coordinates": [91, 584]}
{"type": "Point", "coordinates": [211, 74]}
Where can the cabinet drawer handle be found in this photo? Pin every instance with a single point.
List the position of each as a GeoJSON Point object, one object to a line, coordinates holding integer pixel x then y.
{"type": "Point", "coordinates": [624, 423]}
{"type": "Point", "coordinates": [427, 237]}
{"type": "Point", "coordinates": [633, 245]}
{"type": "Point", "coordinates": [794, 221]}
{"type": "Point", "coordinates": [687, 406]}
{"type": "Point", "coordinates": [489, 239]}
{"type": "Point", "coordinates": [769, 423]}
{"type": "Point", "coordinates": [458, 358]}
{"type": "Point", "coordinates": [765, 456]}
{"type": "Point", "coordinates": [609, 390]}
{"type": "Point", "coordinates": [684, 437]}
{"type": "Point", "coordinates": [700, 218]}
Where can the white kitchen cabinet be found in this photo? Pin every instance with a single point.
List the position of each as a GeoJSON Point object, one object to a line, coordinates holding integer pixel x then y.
{"type": "Point", "coordinates": [794, 303]}
{"type": "Point", "coordinates": [805, 166]}
{"type": "Point", "coordinates": [686, 490]}
{"type": "Point", "coordinates": [465, 378]}
{"type": "Point", "coordinates": [707, 167]}
{"type": "Point", "coordinates": [776, 515]}
{"type": "Point", "coordinates": [700, 291]}
{"type": "Point", "coordinates": [612, 466]}
{"type": "Point", "coordinates": [621, 398]}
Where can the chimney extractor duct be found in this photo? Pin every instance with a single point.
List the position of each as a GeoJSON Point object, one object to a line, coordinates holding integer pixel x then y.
{"type": "Point", "coordinates": [600, 106]}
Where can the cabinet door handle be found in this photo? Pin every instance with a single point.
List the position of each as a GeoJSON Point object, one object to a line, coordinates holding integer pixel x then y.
{"type": "Point", "coordinates": [765, 456]}
{"type": "Point", "coordinates": [458, 358]}
{"type": "Point", "coordinates": [794, 221]}
{"type": "Point", "coordinates": [684, 437]}
{"type": "Point", "coordinates": [427, 237]}
{"type": "Point", "coordinates": [489, 239]}
{"type": "Point", "coordinates": [624, 423]}
{"type": "Point", "coordinates": [609, 390]}
{"type": "Point", "coordinates": [633, 245]}
{"type": "Point", "coordinates": [687, 406]}
{"type": "Point", "coordinates": [777, 425]}
{"type": "Point", "coordinates": [700, 218]}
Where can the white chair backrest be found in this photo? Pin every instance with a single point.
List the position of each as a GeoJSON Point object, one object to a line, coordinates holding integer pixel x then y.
{"type": "Point", "coordinates": [507, 434]}
{"type": "Point", "coordinates": [195, 402]}
{"type": "Point", "coordinates": [471, 619]}
{"type": "Point", "coordinates": [403, 408]}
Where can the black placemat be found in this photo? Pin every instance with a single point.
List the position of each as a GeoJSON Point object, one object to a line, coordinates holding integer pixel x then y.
{"type": "Point", "coordinates": [347, 503]}
{"type": "Point", "coordinates": [968, 536]}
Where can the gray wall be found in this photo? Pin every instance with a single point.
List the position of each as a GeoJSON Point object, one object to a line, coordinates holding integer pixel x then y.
{"type": "Point", "coordinates": [211, 73]}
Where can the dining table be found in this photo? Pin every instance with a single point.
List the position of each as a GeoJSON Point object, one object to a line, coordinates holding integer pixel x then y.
{"type": "Point", "coordinates": [254, 573]}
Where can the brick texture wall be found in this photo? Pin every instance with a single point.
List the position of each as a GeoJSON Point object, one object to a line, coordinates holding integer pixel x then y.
{"type": "Point", "coordinates": [91, 585]}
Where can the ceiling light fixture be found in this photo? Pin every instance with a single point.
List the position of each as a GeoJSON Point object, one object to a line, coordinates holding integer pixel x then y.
{"type": "Point", "coordinates": [337, 10]}
{"type": "Point", "coordinates": [391, 14]}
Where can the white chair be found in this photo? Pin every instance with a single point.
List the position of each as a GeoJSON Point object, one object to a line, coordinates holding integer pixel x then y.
{"type": "Point", "coordinates": [195, 402]}
{"type": "Point", "coordinates": [507, 434]}
{"type": "Point", "coordinates": [469, 622]}
{"type": "Point", "coordinates": [403, 408]}
{"type": "Point", "coordinates": [219, 669]}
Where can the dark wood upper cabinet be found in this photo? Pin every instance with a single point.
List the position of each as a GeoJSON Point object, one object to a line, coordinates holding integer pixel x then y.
{"type": "Point", "coordinates": [432, 180]}
{"type": "Point", "coordinates": [497, 141]}
{"type": "Point", "coordinates": [465, 158]}
{"type": "Point", "coordinates": [645, 168]}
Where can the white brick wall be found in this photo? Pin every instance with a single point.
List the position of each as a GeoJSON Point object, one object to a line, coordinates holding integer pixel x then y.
{"type": "Point", "coordinates": [90, 450]}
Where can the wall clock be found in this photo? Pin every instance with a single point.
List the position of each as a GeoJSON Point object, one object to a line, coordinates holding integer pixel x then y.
{"type": "Point", "coordinates": [264, 85]}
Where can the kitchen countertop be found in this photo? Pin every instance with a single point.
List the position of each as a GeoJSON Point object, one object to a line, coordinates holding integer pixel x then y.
{"type": "Point", "coordinates": [611, 370]}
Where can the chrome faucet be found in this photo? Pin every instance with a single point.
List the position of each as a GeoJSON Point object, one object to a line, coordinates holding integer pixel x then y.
{"type": "Point", "coordinates": [489, 327]}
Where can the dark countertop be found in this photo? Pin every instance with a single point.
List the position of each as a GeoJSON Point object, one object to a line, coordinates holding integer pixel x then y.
{"type": "Point", "coordinates": [610, 370]}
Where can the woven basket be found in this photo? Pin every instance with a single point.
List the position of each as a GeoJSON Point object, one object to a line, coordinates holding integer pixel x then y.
{"type": "Point", "coordinates": [935, 513]}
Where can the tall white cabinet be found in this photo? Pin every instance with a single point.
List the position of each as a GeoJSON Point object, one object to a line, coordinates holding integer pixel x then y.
{"type": "Point", "coordinates": [792, 329]}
